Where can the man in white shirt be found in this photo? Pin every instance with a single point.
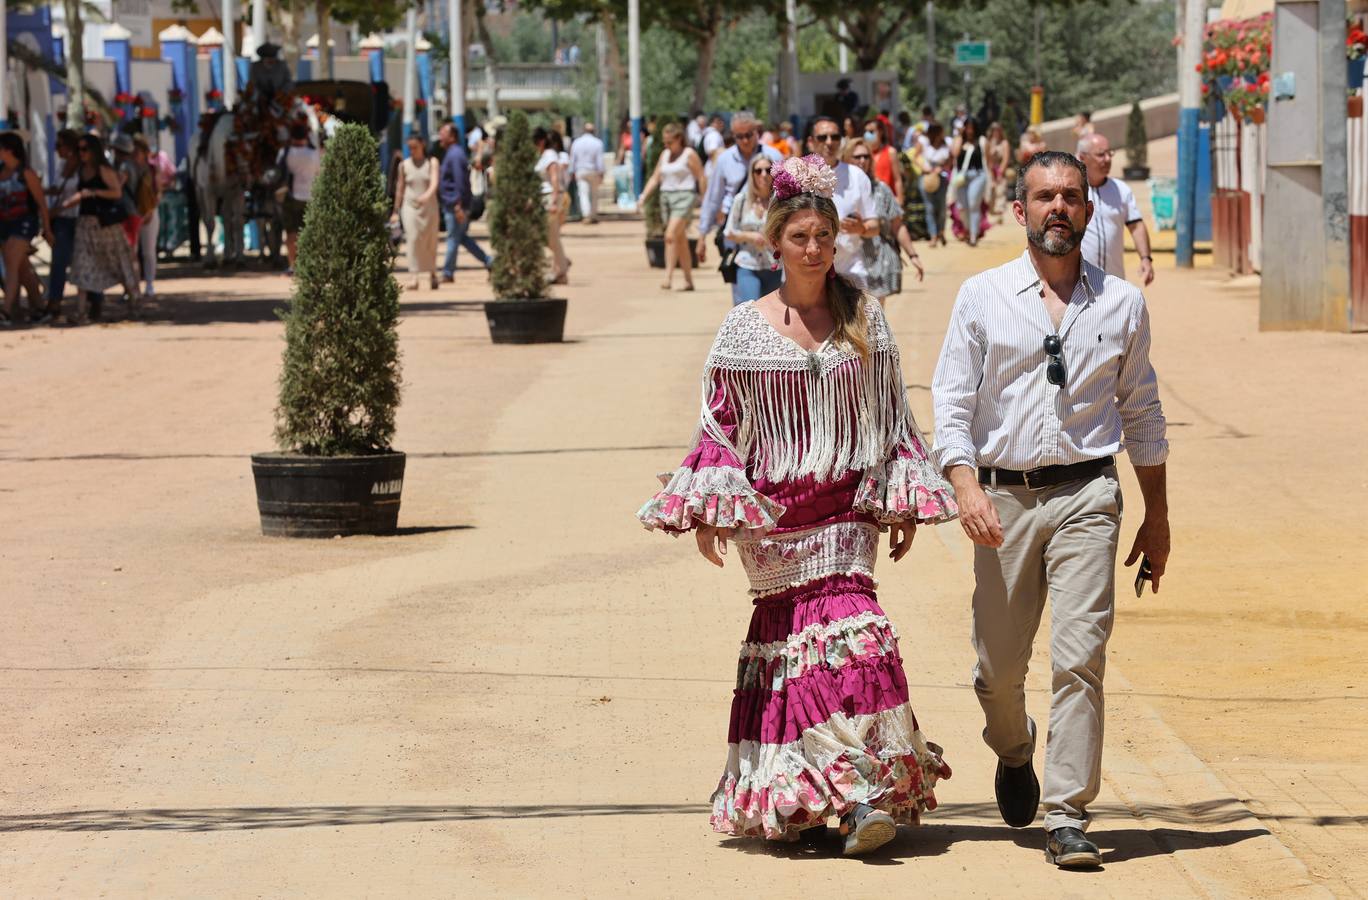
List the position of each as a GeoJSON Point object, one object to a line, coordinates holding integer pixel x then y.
{"type": "Point", "coordinates": [854, 199]}
{"type": "Point", "coordinates": [1114, 213]}
{"type": "Point", "coordinates": [586, 161]}
{"type": "Point", "coordinates": [713, 144]}
{"type": "Point", "coordinates": [694, 129]}
{"type": "Point", "coordinates": [1044, 375]}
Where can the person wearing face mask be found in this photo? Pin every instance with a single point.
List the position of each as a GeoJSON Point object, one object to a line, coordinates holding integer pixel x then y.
{"type": "Point", "coordinates": [878, 135]}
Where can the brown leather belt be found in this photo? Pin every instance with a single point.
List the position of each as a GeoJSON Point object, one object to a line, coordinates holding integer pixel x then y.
{"type": "Point", "coordinates": [1046, 476]}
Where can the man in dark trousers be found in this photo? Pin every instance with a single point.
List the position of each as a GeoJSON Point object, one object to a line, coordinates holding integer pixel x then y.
{"type": "Point", "coordinates": [453, 193]}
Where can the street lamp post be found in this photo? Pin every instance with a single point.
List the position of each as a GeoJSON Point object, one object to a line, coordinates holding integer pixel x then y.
{"type": "Point", "coordinates": [456, 57]}
{"type": "Point", "coordinates": [634, 90]}
{"type": "Point", "coordinates": [230, 85]}
{"type": "Point", "coordinates": [410, 71]}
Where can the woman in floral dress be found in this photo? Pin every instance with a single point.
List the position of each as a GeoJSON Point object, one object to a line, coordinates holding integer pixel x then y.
{"type": "Point", "coordinates": [805, 452]}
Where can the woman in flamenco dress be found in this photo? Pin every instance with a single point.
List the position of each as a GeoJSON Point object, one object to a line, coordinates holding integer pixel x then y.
{"type": "Point", "coordinates": [806, 451]}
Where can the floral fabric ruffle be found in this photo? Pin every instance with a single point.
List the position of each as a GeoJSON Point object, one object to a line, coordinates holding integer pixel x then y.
{"type": "Point", "coordinates": [719, 496]}
{"type": "Point", "coordinates": [905, 489]}
{"type": "Point", "coordinates": [821, 719]}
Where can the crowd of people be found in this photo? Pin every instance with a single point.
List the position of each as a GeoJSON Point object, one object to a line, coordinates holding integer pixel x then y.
{"type": "Point", "coordinates": [99, 216]}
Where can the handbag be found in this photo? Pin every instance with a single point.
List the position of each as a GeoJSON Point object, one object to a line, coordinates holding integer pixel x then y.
{"type": "Point", "coordinates": [727, 254]}
{"type": "Point", "coordinates": [110, 212]}
{"type": "Point", "coordinates": [931, 181]}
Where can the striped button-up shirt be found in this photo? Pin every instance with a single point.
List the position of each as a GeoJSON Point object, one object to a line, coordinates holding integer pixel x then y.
{"type": "Point", "coordinates": [994, 406]}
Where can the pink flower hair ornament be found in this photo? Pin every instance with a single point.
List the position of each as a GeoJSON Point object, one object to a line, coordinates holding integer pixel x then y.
{"type": "Point", "coordinates": [804, 175]}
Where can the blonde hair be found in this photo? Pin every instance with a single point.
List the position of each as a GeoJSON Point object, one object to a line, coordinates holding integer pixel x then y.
{"type": "Point", "coordinates": [844, 298]}
{"type": "Point", "coordinates": [849, 149]}
{"type": "Point", "coordinates": [671, 131]}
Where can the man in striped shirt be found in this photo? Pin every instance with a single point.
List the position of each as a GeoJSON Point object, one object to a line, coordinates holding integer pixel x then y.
{"type": "Point", "coordinates": [1044, 375]}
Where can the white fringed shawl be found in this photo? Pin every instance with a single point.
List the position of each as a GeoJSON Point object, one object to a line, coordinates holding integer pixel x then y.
{"type": "Point", "coordinates": [821, 413]}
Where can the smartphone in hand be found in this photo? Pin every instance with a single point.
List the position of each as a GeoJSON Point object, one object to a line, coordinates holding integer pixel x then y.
{"type": "Point", "coordinates": [1145, 574]}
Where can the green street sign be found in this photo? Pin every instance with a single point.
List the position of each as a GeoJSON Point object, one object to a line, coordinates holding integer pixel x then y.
{"type": "Point", "coordinates": [971, 53]}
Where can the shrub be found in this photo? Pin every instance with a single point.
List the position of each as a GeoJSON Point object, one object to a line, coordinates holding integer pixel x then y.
{"type": "Point", "coordinates": [339, 386]}
{"type": "Point", "coordinates": [1137, 141]}
{"type": "Point", "coordinates": [517, 223]}
{"type": "Point", "coordinates": [650, 210]}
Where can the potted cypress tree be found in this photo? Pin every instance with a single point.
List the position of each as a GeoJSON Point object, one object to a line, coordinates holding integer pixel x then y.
{"type": "Point", "coordinates": [1137, 146]}
{"type": "Point", "coordinates": [651, 211]}
{"type": "Point", "coordinates": [523, 313]}
{"type": "Point", "coordinates": [336, 472]}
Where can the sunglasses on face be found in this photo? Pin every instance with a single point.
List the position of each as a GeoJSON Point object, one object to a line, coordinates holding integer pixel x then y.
{"type": "Point", "coordinates": [762, 170]}
{"type": "Point", "coordinates": [826, 138]}
{"type": "Point", "coordinates": [743, 135]}
{"type": "Point", "coordinates": [1054, 372]}
{"type": "Point", "coordinates": [860, 157]}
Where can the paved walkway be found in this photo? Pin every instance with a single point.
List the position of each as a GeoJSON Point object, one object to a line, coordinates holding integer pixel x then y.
{"type": "Point", "coordinates": [522, 695]}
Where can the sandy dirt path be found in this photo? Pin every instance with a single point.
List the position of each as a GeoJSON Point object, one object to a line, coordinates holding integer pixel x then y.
{"type": "Point", "coordinates": [524, 694]}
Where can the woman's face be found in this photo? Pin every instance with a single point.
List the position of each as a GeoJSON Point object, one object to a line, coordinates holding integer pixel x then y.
{"type": "Point", "coordinates": [8, 159]}
{"type": "Point", "coordinates": [873, 134]}
{"type": "Point", "coordinates": [808, 243]}
{"type": "Point", "coordinates": [416, 148]}
{"type": "Point", "coordinates": [762, 173]}
{"type": "Point", "coordinates": [86, 154]}
{"type": "Point", "coordinates": [862, 158]}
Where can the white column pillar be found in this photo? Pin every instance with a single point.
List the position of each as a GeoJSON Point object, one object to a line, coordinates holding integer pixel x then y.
{"type": "Point", "coordinates": [4, 70]}
{"type": "Point", "coordinates": [842, 51]}
{"type": "Point", "coordinates": [634, 89]}
{"type": "Point", "coordinates": [790, 71]}
{"type": "Point", "coordinates": [258, 23]}
{"type": "Point", "coordinates": [456, 56]}
{"type": "Point", "coordinates": [230, 85]}
{"type": "Point", "coordinates": [410, 70]}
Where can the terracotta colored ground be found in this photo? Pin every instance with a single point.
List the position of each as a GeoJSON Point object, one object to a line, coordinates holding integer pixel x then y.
{"type": "Point", "coordinates": [526, 694]}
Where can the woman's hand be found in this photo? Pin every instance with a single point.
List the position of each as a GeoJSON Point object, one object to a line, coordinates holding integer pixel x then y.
{"type": "Point", "coordinates": [49, 237]}
{"type": "Point", "coordinates": [900, 535]}
{"type": "Point", "coordinates": [712, 542]}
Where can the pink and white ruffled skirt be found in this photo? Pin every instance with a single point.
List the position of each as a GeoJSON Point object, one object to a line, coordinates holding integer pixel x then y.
{"type": "Point", "coordinates": [820, 720]}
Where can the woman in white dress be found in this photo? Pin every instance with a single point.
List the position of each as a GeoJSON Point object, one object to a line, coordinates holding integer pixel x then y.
{"type": "Point", "coordinates": [552, 191]}
{"type": "Point", "coordinates": [415, 203]}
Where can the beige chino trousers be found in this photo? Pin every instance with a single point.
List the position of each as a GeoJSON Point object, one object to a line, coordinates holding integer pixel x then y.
{"type": "Point", "coordinates": [1060, 541]}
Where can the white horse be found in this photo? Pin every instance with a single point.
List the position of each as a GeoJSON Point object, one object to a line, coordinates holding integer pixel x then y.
{"type": "Point", "coordinates": [219, 192]}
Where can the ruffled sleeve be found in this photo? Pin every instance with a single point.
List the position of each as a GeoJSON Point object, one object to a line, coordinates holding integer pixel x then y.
{"type": "Point", "coordinates": [710, 486]}
{"type": "Point", "coordinates": [906, 486]}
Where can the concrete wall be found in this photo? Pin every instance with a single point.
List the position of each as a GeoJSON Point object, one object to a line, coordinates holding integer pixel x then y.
{"type": "Point", "coordinates": [1161, 120]}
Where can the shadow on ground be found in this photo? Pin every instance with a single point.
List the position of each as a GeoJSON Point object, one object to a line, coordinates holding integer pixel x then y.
{"type": "Point", "coordinates": [255, 817]}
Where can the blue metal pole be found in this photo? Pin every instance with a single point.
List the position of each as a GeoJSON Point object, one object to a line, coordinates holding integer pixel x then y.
{"type": "Point", "coordinates": [638, 179]}
{"type": "Point", "coordinates": [1187, 185]}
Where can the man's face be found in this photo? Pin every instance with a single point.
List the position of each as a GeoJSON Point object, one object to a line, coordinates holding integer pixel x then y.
{"type": "Point", "coordinates": [1098, 159]}
{"type": "Point", "coordinates": [1056, 211]}
{"type": "Point", "coordinates": [747, 134]}
{"type": "Point", "coordinates": [446, 136]}
{"type": "Point", "coordinates": [826, 140]}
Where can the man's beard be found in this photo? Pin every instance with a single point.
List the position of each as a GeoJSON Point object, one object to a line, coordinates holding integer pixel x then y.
{"type": "Point", "coordinates": [1052, 242]}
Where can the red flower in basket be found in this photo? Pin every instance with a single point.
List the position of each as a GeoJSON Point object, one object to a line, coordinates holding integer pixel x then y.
{"type": "Point", "coordinates": [148, 112]}
{"type": "Point", "coordinates": [419, 101]}
{"type": "Point", "coordinates": [216, 94]}
{"type": "Point", "coordinates": [118, 114]}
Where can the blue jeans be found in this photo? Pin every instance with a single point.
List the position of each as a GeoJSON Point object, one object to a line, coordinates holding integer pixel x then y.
{"type": "Point", "coordinates": [752, 284]}
{"type": "Point", "coordinates": [935, 206]}
{"type": "Point", "coordinates": [64, 233]}
{"type": "Point", "coordinates": [969, 198]}
{"type": "Point", "coordinates": [457, 237]}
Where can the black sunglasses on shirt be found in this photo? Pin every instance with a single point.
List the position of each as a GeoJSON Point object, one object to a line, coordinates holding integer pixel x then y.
{"type": "Point", "coordinates": [1054, 372]}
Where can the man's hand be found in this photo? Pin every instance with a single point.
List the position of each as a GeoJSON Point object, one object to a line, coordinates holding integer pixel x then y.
{"type": "Point", "coordinates": [977, 514]}
{"type": "Point", "coordinates": [460, 214]}
{"type": "Point", "coordinates": [702, 251]}
{"type": "Point", "coordinates": [1152, 540]}
{"type": "Point", "coordinates": [900, 535]}
{"type": "Point", "coordinates": [1147, 271]}
{"type": "Point", "coordinates": [852, 225]}
{"type": "Point", "coordinates": [712, 543]}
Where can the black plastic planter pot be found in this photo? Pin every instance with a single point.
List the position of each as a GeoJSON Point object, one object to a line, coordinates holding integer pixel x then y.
{"type": "Point", "coordinates": [655, 252]}
{"type": "Point", "coordinates": [322, 496]}
{"type": "Point", "coordinates": [1135, 173]}
{"type": "Point", "coordinates": [526, 321]}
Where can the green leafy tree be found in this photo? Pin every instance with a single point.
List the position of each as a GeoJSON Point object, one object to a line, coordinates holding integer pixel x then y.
{"type": "Point", "coordinates": [517, 225]}
{"type": "Point", "coordinates": [339, 387]}
{"type": "Point", "coordinates": [1137, 140]}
